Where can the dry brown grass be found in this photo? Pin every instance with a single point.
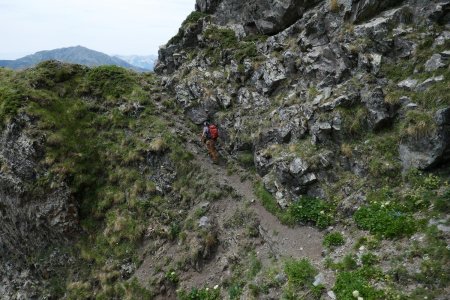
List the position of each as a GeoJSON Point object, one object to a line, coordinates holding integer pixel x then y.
{"type": "Point", "coordinates": [334, 5]}
{"type": "Point", "coordinates": [418, 124]}
{"type": "Point", "coordinates": [157, 145]}
{"type": "Point", "coordinates": [346, 150]}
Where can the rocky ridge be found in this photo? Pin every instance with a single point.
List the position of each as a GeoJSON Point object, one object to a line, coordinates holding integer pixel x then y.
{"type": "Point", "coordinates": [306, 77]}
{"type": "Point", "coordinates": [334, 121]}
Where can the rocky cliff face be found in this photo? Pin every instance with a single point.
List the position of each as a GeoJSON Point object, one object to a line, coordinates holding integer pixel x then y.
{"type": "Point", "coordinates": [30, 219]}
{"type": "Point", "coordinates": [33, 218]}
{"type": "Point", "coordinates": [334, 122]}
{"type": "Point", "coordinates": [325, 75]}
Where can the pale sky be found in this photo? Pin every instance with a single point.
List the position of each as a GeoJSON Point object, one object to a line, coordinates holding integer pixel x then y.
{"type": "Point", "coordinates": [111, 26]}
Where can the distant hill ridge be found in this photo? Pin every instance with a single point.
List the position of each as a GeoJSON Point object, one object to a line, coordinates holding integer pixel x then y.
{"type": "Point", "coordinates": [146, 62]}
{"type": "Point", "coordinates": [77, 55]}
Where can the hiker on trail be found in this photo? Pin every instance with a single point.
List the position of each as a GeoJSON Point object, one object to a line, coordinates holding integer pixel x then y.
{"type": "Point", "coordinates": [209, 137]}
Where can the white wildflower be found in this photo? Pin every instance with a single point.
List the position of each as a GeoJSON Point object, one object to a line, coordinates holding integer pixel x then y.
{"type": "Point", "coordinates": [216, 286]}
{"type": "Point", "coordinates": [355, 294]}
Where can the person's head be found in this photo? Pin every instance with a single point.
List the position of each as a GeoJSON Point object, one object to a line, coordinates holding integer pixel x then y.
{"type": "Point", "coordinates": [206, 123]}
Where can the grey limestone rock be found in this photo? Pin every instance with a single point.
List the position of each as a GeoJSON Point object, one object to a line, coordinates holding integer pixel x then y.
{"type": "Point", "coordinates": [379, 111]}
{"type": "Point", "coordinates": [440, 40]}
{"type": "Point", "coordinates": [263, 16]}
{"type": "Point", "coordinates": [441, 12]}
{"type": "Point", "coordinates": [408, 84]}
{"type": "Point", "coordinates": [298, 166]}
{"type": "Point", "coordinates": [429, 82]}
{"type": "Point", "coordinates": [365, 9]}
{"type": "Point", "coordinates": [434, 63]}
{"type": "Point", "coordinates": [28, 219]}
{"type": "Point", "coordinates": [430, 150]}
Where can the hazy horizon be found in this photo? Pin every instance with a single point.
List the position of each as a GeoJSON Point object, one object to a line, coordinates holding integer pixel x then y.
{"type": "Point", "coordinates": [114, 27]}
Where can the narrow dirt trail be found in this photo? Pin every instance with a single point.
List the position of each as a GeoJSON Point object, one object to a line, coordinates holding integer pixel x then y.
{"type": "Point", "coordinates": [275, 242]}
{"type": "Point", "coordinates": [280, 240]}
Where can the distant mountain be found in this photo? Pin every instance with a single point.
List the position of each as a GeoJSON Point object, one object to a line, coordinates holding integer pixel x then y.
{"type": "Point", "coordinates": [75, 55]}
{"type": "Point", "coordinates": [145, 62]}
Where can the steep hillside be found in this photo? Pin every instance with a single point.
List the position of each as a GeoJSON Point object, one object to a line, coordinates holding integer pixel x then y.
{"type": "Point", "coordinates": [333, 181]}
{"type": "Point", "coordinates": [75, 55]}
{"type": "Point", "coordinates": [343, 109]}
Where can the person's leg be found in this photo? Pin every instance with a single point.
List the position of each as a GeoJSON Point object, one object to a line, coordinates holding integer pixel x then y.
{"type": "Point", "coordinates": [214, 153]}
{"type": "Point", "coordinates": [209, 147]}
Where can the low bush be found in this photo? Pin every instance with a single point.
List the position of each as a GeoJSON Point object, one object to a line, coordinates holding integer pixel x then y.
{"type": "Point", "coordinates": [312, 210]}
{"type": "Point", "coordinates": [418, 124]}
{"type": "Point", "coordinates": [193, 18]}
{"type": "Point", "coordinates": [299, 272]}
{"type": "Point", "coordinates": [386, 219]}
{"type": "Point", "coordinates": [245, 50]}
{"type": "Point", "coordinates": [349, 284]}
{"type": "Point", "coordinates": [333, 239]}
{"type": "Point", "coordinates": [442, 203]}
{"type": "Point", "coordinates": [109, 81]}
{"type": "Point", "coordinates": [369, 259]}
{"type": "Point", "coordinates": [200, 294]}
{"type": "Point", "coordinates": [246, 159]}
{"type": "Point", "coordinates": [10, 102]}
{"type": "Point", "coordinates": [225, 38]}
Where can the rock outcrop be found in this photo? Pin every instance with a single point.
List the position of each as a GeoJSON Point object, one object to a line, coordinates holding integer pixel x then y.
{"type": "Point", "coordinates": [30, 219]}
{"type": "Point", "coordinates": [430, 150]}
{"type": "Point", "coordinates": [319, 77]}
{"type": "Point", "coordinates": [255, 16]}
{"type": "Point", "coordinates": [33, 217]}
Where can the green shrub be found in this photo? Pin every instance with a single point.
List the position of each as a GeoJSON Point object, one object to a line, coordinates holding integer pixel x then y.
{"type": "Point", "coordinates": [10, 102]}
{"type": "Point", "coordinates": [442, 203]}
{"type": "Point", "coordinates": [172, 276]}
{"type": "Point", "coordinates": [385, 219]}
{"type": "Point", "coordinates": [48, 74]}
{"type": "Point", "coordinates": [369, 259]}
{"type": "Point", "coordinates": [348, 263]}
{"type": "Point", "coordinates": [174, 230]}
{"type": "Point", "coordinates": [333, 239]}
{"type": "Point", "coordinates": [135, 291]}
{"type": "Point", "coordinates": [299, 272]}
{"type": "Point", "coordinates": [371, 242]}
{"type": "Point", "coordinates": [200, 294]}
{"type": "Point", "coordinates": [109, 81]}
{"type": "Point", "coordinates": [245, 50]}
{"type": "Point", "coordinates": [225, 38]}
{"type": "Point", "coordinates": [312, 210]}
{"type": "Point", "coordinates": [268, 201]}
{"type": "Point", "coordinates": [399, 70]}
{"type": "Point", "coordinates": [418, 124]}
{"type": "Point", "coordinates": [420, 179]}
{"type": "Point", "coordinates": [246, 159]}
{"type": "Point", "coordinates": [354, 121]}
{"type": "Point", "coordinates": [122, 225]}
{"type": "Point", "coordinates": [255, 266]}
{"type": "Point", "coordinates": [349, 282]}
{"type": "Point", "coordinates": [193, 18]}
{"type": "Point", "coordinates": [235, 290]}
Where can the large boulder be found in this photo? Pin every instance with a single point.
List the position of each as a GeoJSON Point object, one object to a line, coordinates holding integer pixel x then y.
{"type": "Point", "coordinates": [441, 13]}
{"type": "Point", "coordinates": [365, 9]}
{"type": "Point", "coordinates": [380, 112]}
{"type": "Point", "coordinates": [257, 16]}
{"type": "Point", "coordinates": [431, 150]}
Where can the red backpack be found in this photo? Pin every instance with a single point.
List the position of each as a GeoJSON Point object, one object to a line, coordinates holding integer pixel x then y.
{"type": "Point", "coordinates": [213, 131]}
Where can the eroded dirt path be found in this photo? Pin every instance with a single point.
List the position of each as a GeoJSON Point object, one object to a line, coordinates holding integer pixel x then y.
{"type": "Point", "coordinates": [275, 241]}
{"type": "Point", "coordinates": [281, 240]}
